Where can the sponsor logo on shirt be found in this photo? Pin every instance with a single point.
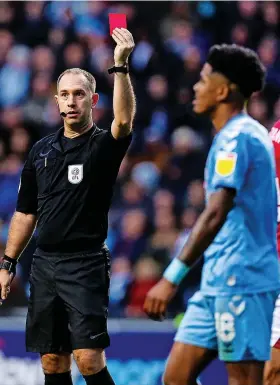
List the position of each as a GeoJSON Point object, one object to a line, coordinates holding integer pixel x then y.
{"type": "Point", "coordinates": [225, 163]}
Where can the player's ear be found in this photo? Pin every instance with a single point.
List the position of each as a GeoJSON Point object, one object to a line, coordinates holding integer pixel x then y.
{"type": "Point", "coordinates": [95, 98]}
{"type": "Point", "coordinates": [56, 99]}
{"type": "Point", "coordinates": [223, 92]}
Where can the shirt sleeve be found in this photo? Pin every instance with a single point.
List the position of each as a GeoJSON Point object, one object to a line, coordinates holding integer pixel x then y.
{"type": "Point", "coordinates": [111, 154]}
{"type": "Point", "coordinates": [27, 193]}
{"type": "Point", "coordinates": [113, 150]}
{"type": "Point", "coordinates": [231, 163]}
{"type": "Point", "coordinates": [119, 146]}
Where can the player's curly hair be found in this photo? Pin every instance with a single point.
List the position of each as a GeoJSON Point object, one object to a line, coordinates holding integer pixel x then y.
{"type": "Point", "coordinates": [240, 65]}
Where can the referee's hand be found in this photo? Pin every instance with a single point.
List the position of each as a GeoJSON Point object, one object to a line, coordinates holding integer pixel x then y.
{"type": "Point", "coordinates": [124, 47]}
{"type": "Point", "coordinates": [5, 282]}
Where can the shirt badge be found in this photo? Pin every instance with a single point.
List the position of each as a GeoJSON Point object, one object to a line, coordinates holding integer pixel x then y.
{"type": "Point", "coordinates": [225, 163]}
{"type": "Point", "coordinates": [75, 173]}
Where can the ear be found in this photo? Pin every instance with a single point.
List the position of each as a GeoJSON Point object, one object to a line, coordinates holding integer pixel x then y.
{"type": "Point", "coordinates": [56, 99]}
{"type": "Point", "coordinates": [95, 98]}
{"type": "Point", "coordinates": [222, 92]}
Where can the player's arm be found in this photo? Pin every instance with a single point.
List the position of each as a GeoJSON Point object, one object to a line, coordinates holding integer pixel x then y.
{"type": "Point", "coordinates": [22, 225]}
{"type": "Point", "coordinates": [208, 225]}
{"type": "Point", "coordinates": [124, 105]}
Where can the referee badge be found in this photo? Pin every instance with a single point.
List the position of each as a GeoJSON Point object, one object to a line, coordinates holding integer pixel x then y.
{"type": "Point", "coordinates": [75, 173]}
{"type": "Point", "coordinates": [225, 163]}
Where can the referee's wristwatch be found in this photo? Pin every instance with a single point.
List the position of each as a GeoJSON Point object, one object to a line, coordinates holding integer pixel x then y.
{"type": "Point", "coordinates": [8, 264]}
{"type": "Point", "coordinates": [124, 69]}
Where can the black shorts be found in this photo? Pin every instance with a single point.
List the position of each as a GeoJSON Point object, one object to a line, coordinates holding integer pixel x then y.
{"type": "Point", "coordinates": [68, 303]}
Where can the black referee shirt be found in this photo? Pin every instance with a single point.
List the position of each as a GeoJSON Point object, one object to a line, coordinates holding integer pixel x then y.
{"type": "Point", "coordinates": [68, 184]}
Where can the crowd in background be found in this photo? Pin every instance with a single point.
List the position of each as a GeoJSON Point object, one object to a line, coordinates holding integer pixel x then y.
{"type": "Point", "coordinates": [159, 191]}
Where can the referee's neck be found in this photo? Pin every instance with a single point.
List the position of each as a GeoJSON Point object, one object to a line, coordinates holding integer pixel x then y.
{"type": "Point", "coordinates": [73, 132]}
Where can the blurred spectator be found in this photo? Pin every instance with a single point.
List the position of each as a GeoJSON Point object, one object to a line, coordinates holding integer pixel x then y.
{"type": "Point", "coordinates": [146, 175]}
{"type": "Point", "coordinates": [34, 20]}
{"type": "Point", "coordinates": [6, 41]}
{"type": "Point", "coordinates": [34, 108]}
{"type": "Point", "coordinates": [258, 109]}
{"type": "Point", "coordinates": [146, 273]}
{"type": "Point", "coordinates": [121, 276]}
{"type": "Point", "coordinates": [56, 39]}
{"type": "Point", "coordinates": [15, 76]}
{"type": "Point", "coordinates": [179, 171]}
{"type": "Point", "coordinates": [240, 34]}
{"type": "Point", "coordinates": [19, 142]}
{"type": "Point", "coordinates": [195, 195]}
{"type": "Point", "coordinates": [164, 235]}
{"type": "Point", "coordinates": [74, 56]}
{"type": "Point", "coordinates": [11, 118]}
{"type": "Point", "coordinates": [131, 240]}
{"type": "Point", "coordinates": [188, 218]}
{"type": "Point", "coordinates": [43, 61]}
{"type": "Point", "coordinates": [7, 16]}
{"type": "Point", "coordinates": [164, 200]}
{"type": "Point", "coordinates": [270, 14]}
{"type": "Point", "coordinates": [182, 37]}
{"type": "Point", "coordinates": [179, 11]}
{"type": "Point", "coordinates": [133, 195]}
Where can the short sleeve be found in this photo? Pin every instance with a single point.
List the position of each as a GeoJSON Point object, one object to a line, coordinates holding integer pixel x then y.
{"type": "Point", "coordinates": [113, 150]}
{"type": "Point", "coordinates": [119, 146]}
{"type": "Point", "coordinates": [111, 153]}
{"type": "Point", "coordinates": [27, 193]}
{"type": "Point", "coordinates": [231, 162]}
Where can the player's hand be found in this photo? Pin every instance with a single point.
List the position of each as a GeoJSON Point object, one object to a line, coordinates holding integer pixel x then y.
{"type": "Point", "coordinates": [5, 282]}
{"type": "Point", "coordinates": [158, 298]}
{"type": "Point", "coordinates": [124, 47]}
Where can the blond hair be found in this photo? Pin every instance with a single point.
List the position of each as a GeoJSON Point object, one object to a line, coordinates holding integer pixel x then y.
{"type": "Point", "coordinates": [91, 82]}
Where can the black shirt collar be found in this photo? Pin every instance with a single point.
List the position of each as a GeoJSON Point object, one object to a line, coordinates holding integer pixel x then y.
{"type": "Point", "coordinates": [75, 142]}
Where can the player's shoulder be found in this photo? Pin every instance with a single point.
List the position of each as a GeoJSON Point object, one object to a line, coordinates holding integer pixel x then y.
{"type": "Point", "coordinates": [251, 127]}
{"type": "Point", "coordinates": [241, 127]}
{"type": "Point", "coordinates": [244, 130]}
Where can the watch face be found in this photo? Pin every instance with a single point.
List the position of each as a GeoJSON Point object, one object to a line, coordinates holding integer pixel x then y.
{"type": "Point", "coordinates": [6, 265]}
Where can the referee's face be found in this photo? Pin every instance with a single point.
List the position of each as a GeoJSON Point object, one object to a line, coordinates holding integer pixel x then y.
{"type": "Point", "coordinates": [76, 100]}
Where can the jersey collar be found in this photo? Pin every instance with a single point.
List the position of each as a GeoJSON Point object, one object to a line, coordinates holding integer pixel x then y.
{"type": "Point", "coordinates": [76, 142]}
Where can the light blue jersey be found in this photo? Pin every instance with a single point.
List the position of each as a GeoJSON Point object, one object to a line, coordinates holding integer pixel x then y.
{"type": "Point", "coordinates": [240, 280]}
{"type": "Point", "coordinates": [242, 259]}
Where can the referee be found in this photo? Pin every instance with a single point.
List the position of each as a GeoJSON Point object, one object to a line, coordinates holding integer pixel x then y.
{"type": "Point", "coordinates": [66, 189]}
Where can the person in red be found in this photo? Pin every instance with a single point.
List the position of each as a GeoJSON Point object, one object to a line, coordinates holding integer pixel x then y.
{"type": "Point", "coordinates": [272, 368]}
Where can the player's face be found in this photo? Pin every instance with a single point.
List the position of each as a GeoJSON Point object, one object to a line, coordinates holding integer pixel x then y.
{"type": "Point", "coordinates": [75, 99]}
{"type": "Point", "coordinates": [209, 90]}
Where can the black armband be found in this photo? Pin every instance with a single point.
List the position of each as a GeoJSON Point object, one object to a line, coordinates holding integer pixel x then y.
{"type": "Point", "coordinates": [8, 264]}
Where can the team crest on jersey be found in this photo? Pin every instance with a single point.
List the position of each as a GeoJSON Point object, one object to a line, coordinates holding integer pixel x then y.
{"type": "Point", "coordinates": [75, 173]}
{"type": "Point", "coordinates": [225, 163]}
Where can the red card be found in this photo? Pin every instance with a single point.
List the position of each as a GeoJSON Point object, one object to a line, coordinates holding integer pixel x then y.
{"type": "Point", "coordinates": [117, 20]}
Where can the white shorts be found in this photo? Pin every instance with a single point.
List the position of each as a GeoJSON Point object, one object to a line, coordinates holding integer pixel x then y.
{"type": "Point", "coordinates": [275, 331]}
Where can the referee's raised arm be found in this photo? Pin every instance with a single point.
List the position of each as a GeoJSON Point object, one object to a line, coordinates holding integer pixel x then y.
{"type": "Point", "coordinates": [123, 99]}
